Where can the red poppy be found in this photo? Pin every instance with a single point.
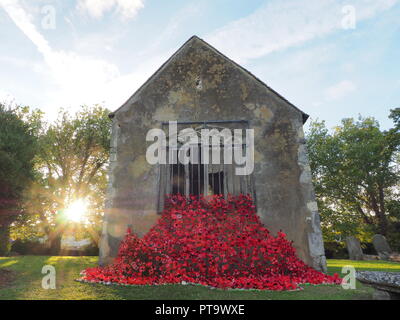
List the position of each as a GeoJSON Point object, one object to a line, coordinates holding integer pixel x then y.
{"type": "Point", "coordinates": [214, 242]}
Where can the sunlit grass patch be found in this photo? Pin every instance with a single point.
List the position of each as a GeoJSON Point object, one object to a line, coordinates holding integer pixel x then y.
{"type": "Point", "coordinates": [27, 284]}
{"type": "Point", "coordinates": [365, 265]}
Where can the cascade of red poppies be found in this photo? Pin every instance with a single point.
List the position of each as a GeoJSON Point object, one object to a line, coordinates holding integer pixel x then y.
{"type": "Point", "coordinates": [214, 242]}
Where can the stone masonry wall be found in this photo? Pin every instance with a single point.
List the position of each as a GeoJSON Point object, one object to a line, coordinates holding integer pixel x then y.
{"type": "Point", "coordinates": [199, 84]}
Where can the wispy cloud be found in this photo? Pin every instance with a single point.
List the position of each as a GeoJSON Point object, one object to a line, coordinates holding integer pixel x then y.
{"type": "Point", "coordinates": [282, 24]}
{"type": "Point", "coordinates": [97, 8]}
{"type": "Point", "coordinates": [340, 90]}
{"type": "Point", "coordinates": [78, 76]}
{"type": "Point", "coordinates": [80, 79]}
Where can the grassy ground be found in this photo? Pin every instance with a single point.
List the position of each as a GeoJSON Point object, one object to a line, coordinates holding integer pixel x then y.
{"type": "Point", "coordinates": [28, 277]}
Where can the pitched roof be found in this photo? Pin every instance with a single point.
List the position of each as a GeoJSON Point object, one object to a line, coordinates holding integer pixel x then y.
{"type": "Point", "coordinates": [188, 42]}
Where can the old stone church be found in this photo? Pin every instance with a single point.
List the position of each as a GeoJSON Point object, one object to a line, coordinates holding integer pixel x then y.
{"type": "Point", "coordinates": [199, 87]}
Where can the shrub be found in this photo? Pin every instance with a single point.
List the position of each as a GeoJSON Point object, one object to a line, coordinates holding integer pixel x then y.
{"type": "Point", "coordinates": [29, 247]}
{"type": "Point", "coordinates": [335, 250]}
{"type": "Point", "coordinates": [5, 244]}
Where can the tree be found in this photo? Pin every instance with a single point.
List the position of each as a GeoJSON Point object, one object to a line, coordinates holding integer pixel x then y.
{"type": "Point", "coordinates": [355, 176]}
{"type": "Point", "coordinates": [72, 162]}
{"type": "Point", "coordinates": [395, 116]}
{"type": "Point", "coordinates": [393, 205]}
{"type": "Point", "coordinates": [17, 150]}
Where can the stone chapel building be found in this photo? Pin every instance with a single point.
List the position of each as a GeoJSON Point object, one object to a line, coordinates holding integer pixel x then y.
{"type": "Point", "coordinates": [199, 87]}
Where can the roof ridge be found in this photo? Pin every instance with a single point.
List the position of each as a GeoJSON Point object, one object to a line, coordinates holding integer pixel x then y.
{"type": "Point", "coordinates": [154, 74]}
{"type": "Point", "coordinates": [305, 115]}
{"type": "Point", "coordinates": [195, 37]}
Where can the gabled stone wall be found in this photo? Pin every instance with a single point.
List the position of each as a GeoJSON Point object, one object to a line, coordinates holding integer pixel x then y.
{"type": "Point", "coordinates": [197, 84]}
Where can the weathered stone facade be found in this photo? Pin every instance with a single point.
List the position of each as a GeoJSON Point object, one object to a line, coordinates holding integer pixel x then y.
{"type": "Point", "coordinates": [196, 84]}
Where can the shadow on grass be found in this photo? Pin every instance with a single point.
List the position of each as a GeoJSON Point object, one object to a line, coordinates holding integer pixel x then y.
{"type": "Point", "coordinates": [27, 285]}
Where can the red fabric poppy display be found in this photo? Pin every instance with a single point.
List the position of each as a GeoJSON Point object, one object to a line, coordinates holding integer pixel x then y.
{"type": "Point", "coordinates": [213, 242]}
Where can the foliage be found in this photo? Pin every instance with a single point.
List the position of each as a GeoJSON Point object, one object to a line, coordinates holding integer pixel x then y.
{"type": "Point", "coordinates": [31, 247]}
{"type": "Point", "coordinates": [335, 250]}
{"type": "Point", "coordinates": [70, 162]}
{"type": "Point", "coordinates": [17, 149]}
{"type": "Point", "coordinates": [213, 242]}
{"type": "Point", "coordinates": [355, 177]}
{"type": "Point", "coordinates": [5, 244]}
{"type": "Point", "coordinates": [71, 165]}
{"type": "Point", "coordinates": [36, 247]}
{"type": "Point", "coordinates": [393, 205]}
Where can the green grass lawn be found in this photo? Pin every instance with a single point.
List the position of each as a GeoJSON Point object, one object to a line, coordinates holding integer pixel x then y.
{"type": "Point", "coordinates": [28, 277]}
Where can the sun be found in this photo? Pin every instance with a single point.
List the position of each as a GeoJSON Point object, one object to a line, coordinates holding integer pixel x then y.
{"type": "Point", "coordinates": [76, 211]}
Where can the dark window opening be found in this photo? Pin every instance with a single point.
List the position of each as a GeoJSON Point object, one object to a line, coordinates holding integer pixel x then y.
{"type": "Point", "coordinates": [202, 179]}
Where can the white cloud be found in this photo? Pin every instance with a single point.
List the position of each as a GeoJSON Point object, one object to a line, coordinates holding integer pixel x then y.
{"type": "Point", "coordinates": [281, 24]}
{"type": "Point", "coordinates": [96, 8]}
{"type": "Point", "coordinates": [79, 79]}
{"type": "Point", "coordinates": [340, 90]}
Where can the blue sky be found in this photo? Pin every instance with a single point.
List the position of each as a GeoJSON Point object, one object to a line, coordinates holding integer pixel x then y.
{"type": "Point", "coordinates": [57, 53]}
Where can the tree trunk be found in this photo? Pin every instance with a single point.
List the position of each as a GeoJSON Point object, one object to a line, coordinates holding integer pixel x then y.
{"type": "Point", "coordinates": [55, 240]}
{"type": "Point", "coordinates": [366, 219]}
{"type": "Point", "coordinates": [383, 223]}
{"type": "Point", "coordinates": [5, 244]}
{"type": "Point", "coordinates": [55, 245]}
{"type": "Point", "coordinates": [56, 233]}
